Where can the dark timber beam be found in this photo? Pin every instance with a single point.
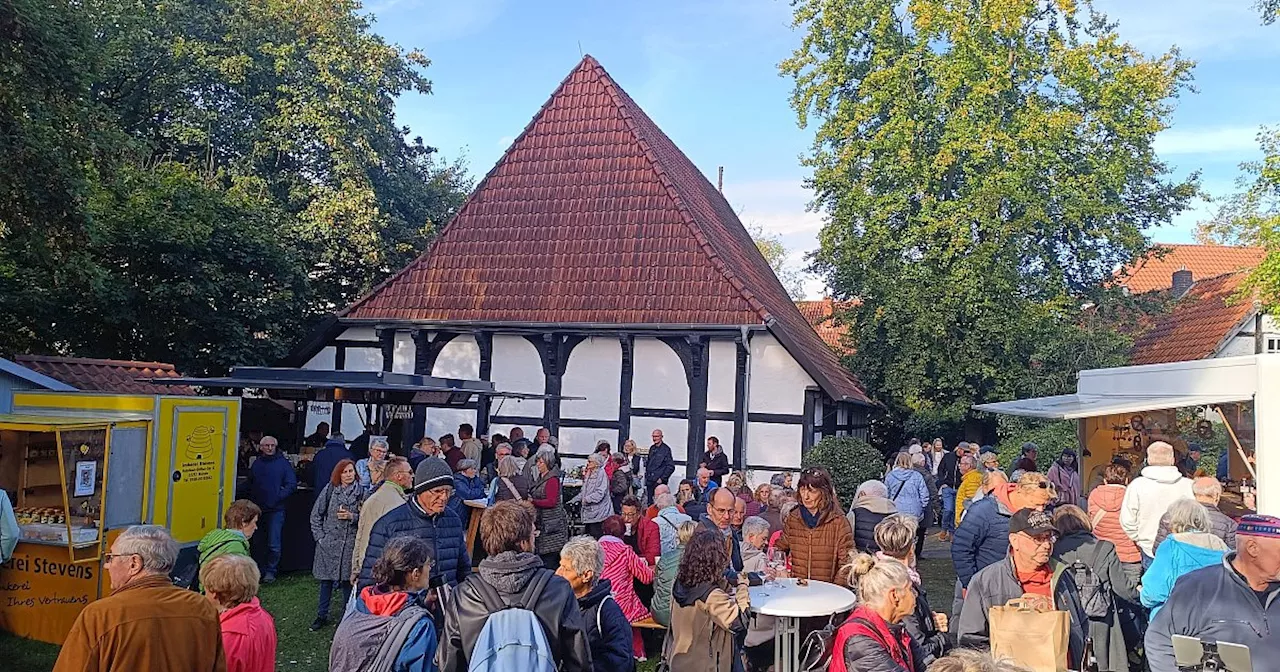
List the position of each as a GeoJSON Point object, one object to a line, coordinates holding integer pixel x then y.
{"type": "Point", "coordinates": [740, 405]}
{"type": "Point", "coordinates": [694, 352]}
{"type": "Point", "coordinates": [484, 340]}
{"type": "Point", "coordinates": [628, 343]}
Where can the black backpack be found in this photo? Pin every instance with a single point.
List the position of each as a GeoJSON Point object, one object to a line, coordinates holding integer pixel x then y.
{"type": "Point", "coordinates": [1095, 592]}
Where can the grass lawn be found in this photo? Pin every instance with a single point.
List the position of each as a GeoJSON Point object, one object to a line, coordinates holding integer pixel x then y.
{"type": "Point", "coordinates": [292, 601]}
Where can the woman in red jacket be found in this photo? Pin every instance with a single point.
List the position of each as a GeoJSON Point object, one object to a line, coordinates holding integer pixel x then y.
{"type": "Point", "coordinates": [248, 631]}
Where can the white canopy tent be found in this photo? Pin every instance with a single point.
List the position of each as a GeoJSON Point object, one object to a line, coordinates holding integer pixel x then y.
{"type": "Point", "coordinates": [1135, 389]}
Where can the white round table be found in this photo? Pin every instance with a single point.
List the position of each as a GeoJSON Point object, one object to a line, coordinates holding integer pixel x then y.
{"type": "Point", "coordinates": [790, 602]}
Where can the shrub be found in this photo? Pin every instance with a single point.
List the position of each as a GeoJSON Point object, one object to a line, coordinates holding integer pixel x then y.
{"type": "Point", "coordinates": [1050, 436]}
{"type": "Point", "coordinates": [850, 461]}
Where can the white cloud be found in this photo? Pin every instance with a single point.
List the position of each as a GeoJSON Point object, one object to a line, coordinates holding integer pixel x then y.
{"type": "Point", "coordinates": [1219, 140]}
{"type": "Point", "coordinates": [505, 141]}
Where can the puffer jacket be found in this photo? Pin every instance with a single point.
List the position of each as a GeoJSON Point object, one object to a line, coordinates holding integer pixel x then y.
{"type": "Point", "coordinates": [596, 503]}
{"type": "Point", "coordinates": [510, 574]}
{"type": "Point", "coordinates": [866, 642]}
{"type": "Point", "coordinates": [864, 515]}
{"type": "Point", "coordinates": [1178, 556]}
{"type": "Point", "coordinates": [664, 579]}
{"type": "Point", "coordinates": [1104, 509]}
{"type": "Point", "coordinates": [817, 553]}
{"type": "Point", "coordinates": [981, 539]}
{"type": "Point", "coordinates": [607, 629]}
{"type": "Point", "coordinates": [908, 491]}
{"type": "Point", "coordinates": [1220, 525]}
{"type": "Point", "coordinates": [443, 531]}
{"type": "Point", "coordinates": [706, 625]}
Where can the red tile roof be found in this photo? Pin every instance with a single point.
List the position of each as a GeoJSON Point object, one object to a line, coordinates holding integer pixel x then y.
{"type": "Point", "coordinates": [1198, 323]}
{"type": "Point", "coordinates": [821, 316]}
{"type": "Point", "coordinates": [1204, 261]}
{"type": "Point", "coordinates": [613, 224]}
{"type": "Point", "coordinates": [105, 375]}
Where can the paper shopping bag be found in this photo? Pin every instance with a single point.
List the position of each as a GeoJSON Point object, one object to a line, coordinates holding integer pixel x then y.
{"type": "Point", "coordinates": [1036, 640]}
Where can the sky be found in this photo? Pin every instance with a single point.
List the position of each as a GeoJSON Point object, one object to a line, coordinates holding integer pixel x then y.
{"type": "Point", "coordinates": [706, 72]}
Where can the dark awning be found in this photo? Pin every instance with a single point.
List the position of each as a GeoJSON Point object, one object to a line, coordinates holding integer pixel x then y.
{"type": "Point", "coordinates": [359, 387]}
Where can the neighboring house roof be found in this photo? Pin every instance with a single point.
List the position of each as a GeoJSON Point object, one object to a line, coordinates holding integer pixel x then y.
{"type": "Point", "coordinates": [1154, 272]}
{"type": "Point", "coordinates": [105, 375]}
{"type": "Point", "coordinates": [594, 216]}
{"type": "Point", "coordinates": [1198, 324]}
{"type": "Point", "coordinates": [34, 377]}
{"type": "Point", "coordinates": [821, 316]}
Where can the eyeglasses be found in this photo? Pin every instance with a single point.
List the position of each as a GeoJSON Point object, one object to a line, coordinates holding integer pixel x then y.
{"type": "Point", "coordinates": [108, 557]}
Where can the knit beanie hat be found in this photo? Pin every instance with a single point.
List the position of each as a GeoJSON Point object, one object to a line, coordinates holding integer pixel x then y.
{"type": "Point", "coordinates": [1259, 526]}
{"type": "Point", "coordinates": [431, 474]}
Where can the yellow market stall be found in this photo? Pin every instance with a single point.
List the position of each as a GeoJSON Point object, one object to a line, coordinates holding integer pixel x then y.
{"type": "Point", "coordinates": [86, 465]}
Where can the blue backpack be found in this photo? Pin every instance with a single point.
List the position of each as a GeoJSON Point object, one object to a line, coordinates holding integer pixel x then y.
{"type": "Point", "coordinates": [512, 637]}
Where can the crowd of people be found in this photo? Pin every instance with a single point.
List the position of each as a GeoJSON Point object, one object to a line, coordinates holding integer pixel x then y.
{"type": "Point", "coordinates": [574, 572]}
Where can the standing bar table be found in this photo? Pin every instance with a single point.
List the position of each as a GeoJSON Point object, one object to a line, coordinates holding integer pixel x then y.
{"type": "Point", "coordinates": [790, 602]}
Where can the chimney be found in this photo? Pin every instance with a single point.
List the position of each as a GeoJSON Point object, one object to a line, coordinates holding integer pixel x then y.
{"type": "Point", "coordinates": [720, 179]}
{"type": "Point", "coordinates": [1182, 281]}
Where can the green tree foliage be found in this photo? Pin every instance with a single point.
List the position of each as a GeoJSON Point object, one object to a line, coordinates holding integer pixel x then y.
{"type": "Point", "coordinates": [1050, 436]}
{"type": "Point", "coordinates": [202, 179]}
{"type": "Point", "coordinates": [1270, 10]}
{"type": "Point", "coordinates": [850, 461]}
{"type": "Point", "coordinates": [776, 253]}
{"type": "Point", "coordinates": [984, 166]}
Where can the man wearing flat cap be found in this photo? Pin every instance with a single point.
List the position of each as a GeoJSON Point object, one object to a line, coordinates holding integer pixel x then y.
{"type": "Point", "coordinates": [1028, 573]}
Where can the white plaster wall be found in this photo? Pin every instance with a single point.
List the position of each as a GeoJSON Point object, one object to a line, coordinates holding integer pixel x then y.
{"type": "Point", "coordinates": [460, 358]}
{"type": "Point", "coordinates": [659, 380]}
{"type": "Point", "coordinates": [441, 421]}
{"type": "Point", "coordinates": [359, 334]}
{"type": "Point", "coordinates": [762, 476]}
{"type": "Point", "coordinates": [777, 381]}
{"type": "Point", "coordinates": [581, 441]}
{"type": "Point", "coordinates": [774, 444]}
{"type": "Point", "coordinates": [323, 360]}
{"type": "Point", "coordinates": [675, 433]}
{"type": "Point", "coordinates": [594, 372]}
{"type": "Point", "coordinates": [318, 412]}
{"type": "Point", "coordinates": [516, 368]}
{"type": "Point", "coordinates": [353, 416]}
{"type": "Point", "coordinates": [723, 430]}
{"type": "Point", "coordinates": [404, 353]}
{"type": "Point", "coordinates": [722, 376]}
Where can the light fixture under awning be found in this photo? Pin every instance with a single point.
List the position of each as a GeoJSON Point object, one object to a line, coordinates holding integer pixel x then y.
{"type": "Point", "coordinates": [1075, 406]}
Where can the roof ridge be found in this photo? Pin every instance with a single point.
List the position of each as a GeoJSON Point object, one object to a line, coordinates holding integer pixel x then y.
{"type": "Point", "coordinates": [92, 361]}
{"type": "Point", "coordinates": [616, 92]}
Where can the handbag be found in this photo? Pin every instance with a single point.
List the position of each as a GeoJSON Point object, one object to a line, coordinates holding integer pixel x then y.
{"type": "Point", "coordinates": [815, 651]}
{"type": "Point", "coordinates": [1037, 640]}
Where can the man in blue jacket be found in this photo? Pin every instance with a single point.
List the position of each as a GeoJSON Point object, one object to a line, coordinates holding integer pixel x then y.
{"type": "Point", "coordinates": [660, 465]}
{"type": "Point", "coordinates": [1237, 601]}
{"type": "Point", "coordinates": [334, 451]}
{"type": "Point", "coordinates": [427, 516]}
{"type": "Point", "coordinates": [271, 481]}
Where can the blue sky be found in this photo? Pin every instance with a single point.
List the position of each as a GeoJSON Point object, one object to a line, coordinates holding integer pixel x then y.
{"type": "Point", "coordinates": [706, 72]}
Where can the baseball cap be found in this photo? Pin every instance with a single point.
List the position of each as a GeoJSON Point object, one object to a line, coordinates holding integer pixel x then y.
{"type": "Point", "coordinates": [1032, 522]}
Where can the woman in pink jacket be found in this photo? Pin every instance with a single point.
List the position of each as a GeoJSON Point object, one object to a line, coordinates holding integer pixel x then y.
{"type": "Point", "coordinates": [622, 567]}
{"type": "Point", "coordinates": [1104, 513]}
{"type": "Point", "coordinates": [248, 631]}
{"type": "Point", "coordinates": [1065, 474]}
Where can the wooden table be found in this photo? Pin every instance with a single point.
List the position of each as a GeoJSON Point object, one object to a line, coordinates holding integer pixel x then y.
{"type": "Point", "coordinates": [478, 507]}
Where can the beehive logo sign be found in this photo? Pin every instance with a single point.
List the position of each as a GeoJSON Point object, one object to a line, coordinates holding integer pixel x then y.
{"type": "Point", "coordinates": [198, 452]}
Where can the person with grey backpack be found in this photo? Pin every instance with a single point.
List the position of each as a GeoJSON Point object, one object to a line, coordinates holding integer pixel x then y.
{"type": "Point", "coordinates": [390, 628]}
{"type": "Point", "coordinates": [513, 613]}
{"type": "Point", "coordinates": [1100, 580]}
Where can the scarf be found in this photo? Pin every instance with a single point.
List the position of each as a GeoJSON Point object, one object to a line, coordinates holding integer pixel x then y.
{"type": "Point", "coordinates": [810, 519]}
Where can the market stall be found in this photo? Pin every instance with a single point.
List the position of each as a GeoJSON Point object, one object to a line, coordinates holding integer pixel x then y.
{"type": "Point", "coordinates": [1234, 401]}
{"type": "Point", "coordinates": [81, 467]}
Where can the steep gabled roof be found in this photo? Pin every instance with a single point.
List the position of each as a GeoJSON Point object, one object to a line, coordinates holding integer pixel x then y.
{"type": "Point", "coordinates": [105, 375]}
{"type": "Point", "coordinates": [1154, 271]}
{"type": "Point", "coordinates": [821, 315]}
{"type": "Point", "coordinates": [594, 216]}
{"type": "Point", "coordinates": [1198, 323]}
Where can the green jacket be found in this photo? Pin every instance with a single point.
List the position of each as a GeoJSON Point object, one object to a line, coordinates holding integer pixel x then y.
{"type": "Point", "coordinates": [222, 542]}
{"type": "Point", "coordinates": [664, 578]}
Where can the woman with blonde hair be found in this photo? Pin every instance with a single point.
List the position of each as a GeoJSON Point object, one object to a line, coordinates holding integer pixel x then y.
{"type": "Point", "coordinates": [968, 660]}
{"type": "Point", "coordinates": [873, 638]}
{"type": "Point", "coordinates": [896, 537]}
{"type": "Point", "coordinates": [248, 631]}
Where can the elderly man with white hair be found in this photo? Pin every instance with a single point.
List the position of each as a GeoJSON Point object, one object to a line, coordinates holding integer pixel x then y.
{"type": "Point", "coordinates": [668, 520]}
{"type": "Point", "coordinates": [871, 504]}
{"type": "Point", "coordinates": [1207, 491]}
{"type": "Point", "coordinates": [1149, 496]}
{"type": "Point", "coordinates": [146, 623]}
{"type": "Point", "coordinates": [608, 630]}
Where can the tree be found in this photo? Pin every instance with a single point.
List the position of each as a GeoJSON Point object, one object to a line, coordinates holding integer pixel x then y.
{"type": "Point", "coordinates": [200, 180]}
{"type": "Point", "coordinates": [1270, 10]}
{"type": "Point", "coordinates": [776, 253]}
{"type": "Point", "coordinates": [984, 168]}
{"type": "Point", "coordinates": [850, 462]}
